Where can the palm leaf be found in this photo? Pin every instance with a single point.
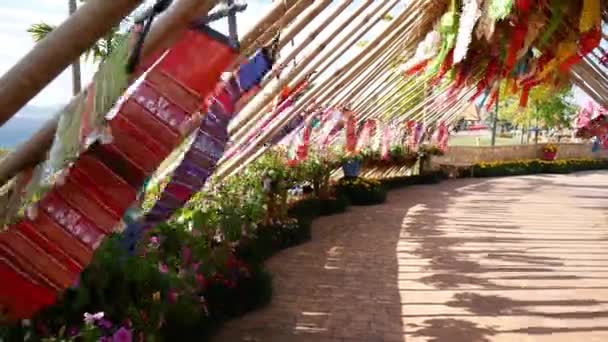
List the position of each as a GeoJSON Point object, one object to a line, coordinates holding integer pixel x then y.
{"type": "Point", "coordinates": [40, 31]}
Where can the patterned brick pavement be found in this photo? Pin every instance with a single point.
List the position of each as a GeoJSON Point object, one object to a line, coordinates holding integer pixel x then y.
{"type": "Point", "coordinates": [509, 259]}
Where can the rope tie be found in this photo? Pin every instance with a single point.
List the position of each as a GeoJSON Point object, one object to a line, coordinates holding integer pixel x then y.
{"type": "Point", "coordinates": [146, 20]}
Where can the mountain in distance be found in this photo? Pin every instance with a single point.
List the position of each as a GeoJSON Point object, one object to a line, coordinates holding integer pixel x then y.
{"type": "Point", "coordinates": [21, 126]}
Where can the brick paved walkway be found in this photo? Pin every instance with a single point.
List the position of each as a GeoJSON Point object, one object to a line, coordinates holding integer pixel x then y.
{"type": "Point", "coordinates": [510, 259]}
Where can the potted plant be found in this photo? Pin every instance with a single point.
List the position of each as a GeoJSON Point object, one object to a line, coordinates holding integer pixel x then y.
{"type": "Point", "coordinates": [549, 152]}
{"type": "Point", "coordinates": [351, 165]}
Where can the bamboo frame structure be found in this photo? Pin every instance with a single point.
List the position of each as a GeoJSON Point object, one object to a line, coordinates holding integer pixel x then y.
{"type": "Point", "coordinates": [398, 26]}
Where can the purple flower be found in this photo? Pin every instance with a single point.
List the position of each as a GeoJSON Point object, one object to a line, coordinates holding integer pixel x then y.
{"type": "Point", "coordinates": [163, 268]}
{"type": "Point", "coordinates": [104, 323]}
{"type": "Point", "coordinates": [196, 266]}
{"type": "Point", "coordinates": [122, 335]}
{"type": "Point", "coordinates": [73, 331]}
{"type": "Point", "coordinates": [173, 296]}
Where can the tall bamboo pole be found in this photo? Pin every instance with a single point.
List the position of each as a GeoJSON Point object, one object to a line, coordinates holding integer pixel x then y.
{"type": "Point", "coordinates": [307, 41]}
{"type": "Point", "coordinates": [387, 37]}
{"type": "Point", "coordinates": [247, 117]}
{"type": "Point", "coordinates": [57, 51]}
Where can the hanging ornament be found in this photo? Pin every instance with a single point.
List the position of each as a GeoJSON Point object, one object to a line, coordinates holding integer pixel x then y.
{"type": "Point", "coordinates": [486, 25]}
{"type": "Point", "coordinates": [554, 22]}
{"type": "Point", "coordinates": [535, 26]}
{"type": "Point", "coordinates": [518, 36]}
{"type": "Point", "coordinates": [470, 14]}
{"type": "Point", "coordinates": [591, 15]}
{"type": "Point", "coordinates": [426, 50]}
{"type": "Point", "coordinates": [523, 6]}
{"type": "Point", "coordinates": [448, 28]}
{"type": "Point", "coordinates": [588, 41]}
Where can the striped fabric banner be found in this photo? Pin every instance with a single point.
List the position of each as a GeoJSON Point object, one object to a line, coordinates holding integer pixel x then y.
{"type": "Point", "coordinates": [201, 159]}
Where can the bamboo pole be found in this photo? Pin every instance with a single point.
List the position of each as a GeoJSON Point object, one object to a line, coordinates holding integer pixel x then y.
{"type": "Point", "coordinates": [57, 51]}
{"type": "Point", "coordinates": [285, 20]}
{"type": "Point", "coordinates": [309, 15]}
{"type": "Point", "coordinates": [307, 41]}
{"type": "Point", "coordinates": [166, 26]}
{"type": "Point", "coordinates": [285, 117]}
{"type": "Point", "coordinates": [327, 89]}
{"type": "Point", "coordinates": [255, 37]}
{"type": "Point", "coordinates": [247, 117]}
{"type": "Point", "coordinates": [387, 37]}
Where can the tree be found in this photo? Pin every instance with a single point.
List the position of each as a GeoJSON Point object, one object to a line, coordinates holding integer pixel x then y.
{"type": "Point", "coordinates": [547, 106]}
{"type": "Point", "coordinates": [98, 52]}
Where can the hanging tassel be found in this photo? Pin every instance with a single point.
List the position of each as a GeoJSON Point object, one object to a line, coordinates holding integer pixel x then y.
{"type": "Point", "coordinates": [523, 100]}
{"type": "Point", "coordinates": [554, 23]}
{"type": "Point", "coordinates": [518, 36]}
{"type": "Point", "coordinates": [470, 14]}
{"type": "Point", "coordinates": [523, 6]}
{"type": "Point", "coordinates": [500, 9]}
{"type": "Point", "coordinates": [364, 135]}
{"type": "Point", "coordinates": [493, 98]}
{"type": "Point", "coordinates": [591, 15]}
{"type": "Point", "coordinates": [416, 69]}
{"type": "Point", "coordinates": [588, 41]}
{"type": "Point", "coordinates": [448, 29]}
{"type": "Point", "coordinates": [351, 127]}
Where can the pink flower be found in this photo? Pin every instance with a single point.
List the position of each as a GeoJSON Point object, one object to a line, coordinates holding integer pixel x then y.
{"type": "Point", "coordinates": [163, 268]}
{"type": "Point", "coordinates": [186, 255]}
{"type": "Point", "coordinates": [173, 296]}
{"type": "Point", "coordinates": [200, 280]}
{"type": "Point", "coordinates": [122, 335]}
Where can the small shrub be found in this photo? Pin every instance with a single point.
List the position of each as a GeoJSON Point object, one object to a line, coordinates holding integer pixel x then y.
{"type": "Point", "coordinates": [361, 191]}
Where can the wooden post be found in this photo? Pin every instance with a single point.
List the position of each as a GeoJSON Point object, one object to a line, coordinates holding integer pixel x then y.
{"type": "Point", "coordinates": [57, 51]}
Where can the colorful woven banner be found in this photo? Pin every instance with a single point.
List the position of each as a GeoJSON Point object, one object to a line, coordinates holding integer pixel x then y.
{"type": "Point", "coordinates": [44, 253]}
{"type": "Point", "coordinates": [201, 159]}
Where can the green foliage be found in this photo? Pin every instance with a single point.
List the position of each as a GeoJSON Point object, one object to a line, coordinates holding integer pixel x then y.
{"type": "Point", "coordinates": [98, 52]}
{"type": "Point", "coordinates": [547, 106]}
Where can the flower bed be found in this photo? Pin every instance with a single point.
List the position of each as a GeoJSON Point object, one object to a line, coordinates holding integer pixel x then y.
{"type": "Point", "coordinates": [361, 191]}
{"type": "Point", "coordinates": [526, 167]}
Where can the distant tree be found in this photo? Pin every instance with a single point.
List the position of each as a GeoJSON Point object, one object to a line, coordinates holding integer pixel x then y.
{"type": "Point", "coordinates": [98, 52]}
{"type": "Point", "coordinates": [548, 106]}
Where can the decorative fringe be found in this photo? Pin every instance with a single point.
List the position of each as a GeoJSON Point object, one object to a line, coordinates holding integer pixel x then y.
{"type": "Point", "coordinates": [470, 14]}
{"type": "Point", "coordinates": [500, 9]}
{"type": "Point", "coordinates": [486, 26]}
{"type": "Point", "coordinates": [591, 15]}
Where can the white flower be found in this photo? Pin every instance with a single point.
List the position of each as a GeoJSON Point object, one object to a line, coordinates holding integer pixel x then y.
{"type": "Point", "coordinates": [92, 318]}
